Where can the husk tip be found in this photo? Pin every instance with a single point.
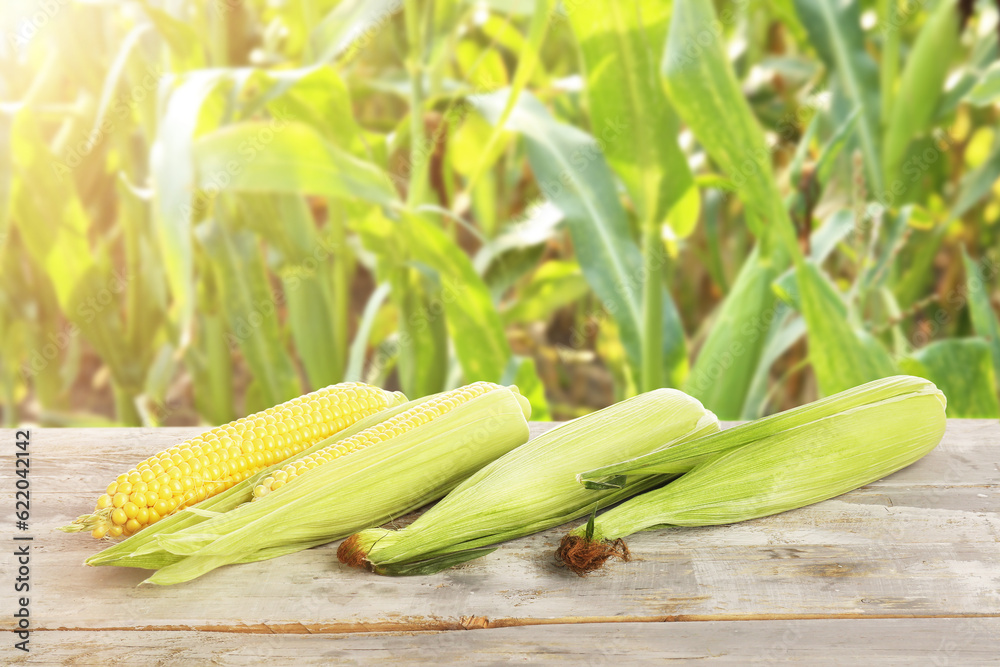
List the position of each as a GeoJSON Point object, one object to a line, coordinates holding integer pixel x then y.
{"type": "Point", "coordinates": [351, 553]}
{"type": "Point", "coordinates": [582, 556]}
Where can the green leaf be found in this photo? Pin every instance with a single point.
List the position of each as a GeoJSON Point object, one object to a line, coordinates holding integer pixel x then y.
{"type": "Point", "coordinates": [841, 357]}
{"type": "Point", "coordinates": [921, 86]}
{"type": "Point", "coordinates": [183, 41]}
{"type": "Point", "coordinates": [682, 218]}
{"type": "Point", "coordinates": [962, 368]}
{"type": "Point", "coordinates": [522, 372]}
{"type": "Point", "coordinates": [423, 336]}
{"type": "Point", "coordinates": [351, 23]}
{"type": "Point", "coordinates": [822, 242]}
{"type": "Point", "coordinates": [976, 184]}
{"type": "Point", "coordinates": [6, 172]}
{"type": "Point", "coordinates": [251, 309]}
{"type": "Point", "coordinates": [209, 360]}
{"type": "Point", "coordinates": [834, 28]}
{"type": "Point", "coordinates": [286, 156]}
{"type": "Point", "coordinates": [474, 324]}
{"type": "Point", "coordinates": [421, 346]}
{"type": "Point", "coordinates": [726, 363]}
{"type": "Point", "coordinates": [115, 75]}
{"type": "Point", "coordinates": [518, 249]}
{"type": "Point", "coordinates": [529, 59]}
{"type": "Point", "coordinates": [703, 89]}
{"type": "Point", "coordinates": [359, 346]}
{"type": "Point", "coordinates": [828, 155]}
{"type": "Point", "coordinates": [916, 276]}
{"type": "Point", "coordinates": [555, 284]}
{"type": "Point", "coordinates": [312, 324]}
{"type": "Point", "coordinates": [53, 226]}
{"type": "Point", "coordinates": [308, 268]}
{"type": "Point", "coordinates": [317, 97]}
{"type": "Point", "coordinates": [889, 23]}
{"type": "Point", "coordinates": [511, 7]}
{"type": "Point", "coordinates": [629, 112]}
{"type": "Point", "coordinates": [146, 299]}
{"type": "Point", "coordinates": [894, 234]}
{"type": "Point", "coordinates": [572, 173]}
{"type": "Point", "coordinates": [787, 330]}
{"type": "Point", "coordinates": [978, 276]}
{"type": "Point", "coordinates": [173, 177]}
{"type": "Point", "coordinates": [987, 89]}
{"type": "Point", "coordinates": [802, 150]}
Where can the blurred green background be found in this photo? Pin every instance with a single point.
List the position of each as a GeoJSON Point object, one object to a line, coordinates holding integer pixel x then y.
{"type": "Point", "coordinates": [209, 207]}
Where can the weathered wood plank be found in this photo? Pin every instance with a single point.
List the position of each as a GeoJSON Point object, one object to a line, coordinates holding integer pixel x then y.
{"type": "Point", "coordinates": [922, 542]}
{"type": "Point", "coordinates": [816, 642]}
{"type": "Point", "coordinates": [969, 454]}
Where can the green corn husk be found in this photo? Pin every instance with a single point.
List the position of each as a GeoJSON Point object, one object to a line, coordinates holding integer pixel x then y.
{"type": "Point", "coordinates": [367, 487]}
{"type": "Point", "coordinates": [533, 487]}
{"type": "Point", "coordinates": [770, 473]}
{"type": "Point", "coordinates": [141, 550]}
{"type": "Point", "coordinates": [684, 457]}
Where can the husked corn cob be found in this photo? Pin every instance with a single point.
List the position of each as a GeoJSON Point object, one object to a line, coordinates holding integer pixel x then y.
{"type": "Point", "coordinates": [143, 548]}
{"type": "Point", "coordinates": [402, 459]}
{"type": "Point", "coordinates": [533, 487]}
{"type": "Point", "coordinates": [215, 461]}
{"type": "Point", "coordinates": [766, 473]}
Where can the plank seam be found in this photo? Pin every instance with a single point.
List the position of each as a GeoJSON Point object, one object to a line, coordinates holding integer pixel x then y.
{"type": "Point", "coordinates": [484, 623]}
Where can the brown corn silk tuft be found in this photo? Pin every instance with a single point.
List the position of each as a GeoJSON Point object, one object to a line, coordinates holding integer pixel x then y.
{"type": "Point", "coordinates": [583, 556]}
{"type": "Point", "coordinates": [793, 459]}
{"type": "Point", "coordinates": [351, 553]}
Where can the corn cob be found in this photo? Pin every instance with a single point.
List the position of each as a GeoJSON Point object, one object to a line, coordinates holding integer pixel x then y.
{"type": "Point", "coordinates": [531, 488]}
{"type": "Point", "coordinates": [142, 549]}
{"type": "Point", "coordinates": [215, 461]}
{"type": "Point", "coordinates": [407, 460]}
{"type": "Point", "coordinates": [769, 473]}
{"type": "Point", "coordinates": [397, 425]}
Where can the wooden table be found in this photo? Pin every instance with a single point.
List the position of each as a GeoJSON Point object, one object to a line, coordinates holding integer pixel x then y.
{"type": "Point", "coordinates": [904, 570]}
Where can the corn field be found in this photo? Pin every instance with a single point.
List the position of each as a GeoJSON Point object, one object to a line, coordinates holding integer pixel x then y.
{"type": "Point", "coordinates": [208, 208]}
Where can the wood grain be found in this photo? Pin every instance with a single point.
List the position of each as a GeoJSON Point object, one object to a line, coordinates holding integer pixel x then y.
{"type": "Point", "coordinates": [917, 549]}
{"type": "Point", "coordinates": [820, 642]}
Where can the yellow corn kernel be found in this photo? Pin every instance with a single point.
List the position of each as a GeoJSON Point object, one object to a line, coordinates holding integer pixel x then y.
{"type": "Point", "coordinates": [392, 427]}
{"type": "Point", "coordinates": [212, 462]}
